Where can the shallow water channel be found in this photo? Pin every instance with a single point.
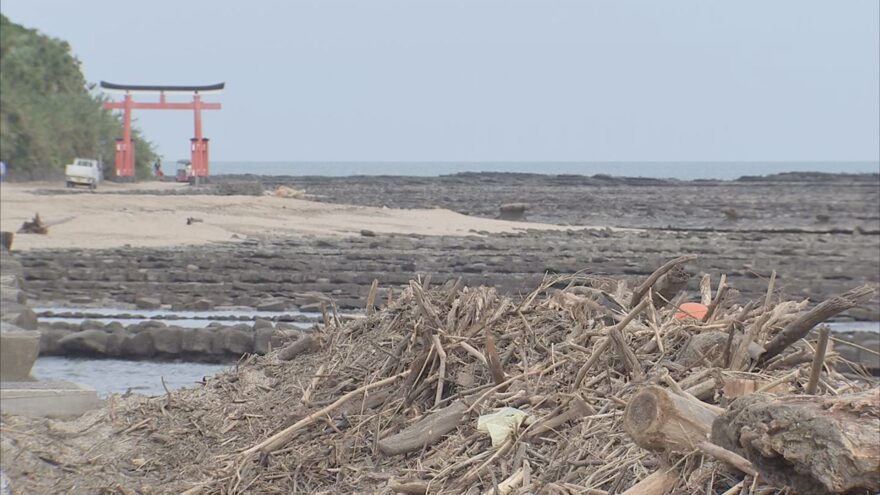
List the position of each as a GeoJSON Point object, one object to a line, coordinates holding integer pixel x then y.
{"type": "Point", "coordinates": [109, 376]}
{"type": "Point", "coordinates": [116, 376]}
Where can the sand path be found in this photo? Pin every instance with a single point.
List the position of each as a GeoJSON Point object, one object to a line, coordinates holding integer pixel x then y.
{"type": "Point", "coordinates": [105, 220]}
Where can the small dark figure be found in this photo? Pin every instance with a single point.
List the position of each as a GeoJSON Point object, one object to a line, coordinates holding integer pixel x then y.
{"type": "Point", "coordinates": [35, 226]}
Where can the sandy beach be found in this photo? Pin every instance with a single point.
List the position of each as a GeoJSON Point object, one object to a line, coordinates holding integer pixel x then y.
{"type": "Point", "coordinates": [116, 216]}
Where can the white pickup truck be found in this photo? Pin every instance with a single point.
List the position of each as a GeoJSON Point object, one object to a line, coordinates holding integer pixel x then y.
{"type": "Point", "coordinates": [84, 172]}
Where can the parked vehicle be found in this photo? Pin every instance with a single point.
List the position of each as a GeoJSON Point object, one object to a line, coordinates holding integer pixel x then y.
{"type": "Point", "coordinates": [184, 171]}
{"type": "Point", "coordinates": [84, 172]}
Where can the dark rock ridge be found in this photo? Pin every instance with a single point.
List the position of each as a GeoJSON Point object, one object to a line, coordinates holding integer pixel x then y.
{"type": "Point", "coordinates": [803, 201]}
{"type": "Point", "coordinates": [306, 272]}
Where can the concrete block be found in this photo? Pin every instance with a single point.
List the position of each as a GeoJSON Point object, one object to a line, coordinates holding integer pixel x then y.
{"type": "Point", "coordinates": [148, 303]}
{"type": "Point", "coordinates": [197, 340]}
{"type": "Point", "coordinates": [55, 399]}
{"type": "Point", "coordinates": [18, 351]}
{"type": "Point", "coordinates": [167, 340]}
{"type": "Point", "coordinates": [262, 340]}
{"type": "Point", "coordinates": [85, 342]}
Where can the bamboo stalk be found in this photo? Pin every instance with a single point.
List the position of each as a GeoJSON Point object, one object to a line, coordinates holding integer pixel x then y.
{"type": "Point", "coordinates": [706, 290]}
{"type": "Point", "coordinates": [731, 330]}
{"type": "Point", "coordinates": [770, 285]}
{"type": "Point", "coordinates": [441, 372]}
{"type": "Point", "coordinates": [371, 297]}
{"type": "Point", "coordinates": [818, 359]}
{"type": "Point", "coordinates": [719, 298]}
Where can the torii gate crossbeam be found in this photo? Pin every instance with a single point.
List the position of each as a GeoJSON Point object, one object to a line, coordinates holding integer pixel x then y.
{"type": "Point", "coordinates": [199, 144]}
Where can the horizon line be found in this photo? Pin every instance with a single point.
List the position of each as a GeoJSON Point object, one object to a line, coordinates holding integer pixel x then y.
{"type": "Point", "coordinates": [559, 161]}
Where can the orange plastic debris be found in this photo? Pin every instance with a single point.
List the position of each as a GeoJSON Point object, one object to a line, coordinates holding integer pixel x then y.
{"type": "Point", "coordinates": [691, 310]}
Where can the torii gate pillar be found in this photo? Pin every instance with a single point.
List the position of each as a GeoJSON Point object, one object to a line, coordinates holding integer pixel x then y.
{"type": "Point", "coordinates": [125, 151]}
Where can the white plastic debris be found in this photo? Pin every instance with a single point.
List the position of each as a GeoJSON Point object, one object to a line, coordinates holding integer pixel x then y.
{"type": "Point", "coordinates": [501, 424]}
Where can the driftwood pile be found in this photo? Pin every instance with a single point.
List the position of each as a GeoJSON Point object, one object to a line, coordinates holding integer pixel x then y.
{"type": "Point", "coordinates": [612, 393]}
{"type": "Point", "coordinates": [37, 226]}
{"type": "Point", "coordinates": [34, 226]}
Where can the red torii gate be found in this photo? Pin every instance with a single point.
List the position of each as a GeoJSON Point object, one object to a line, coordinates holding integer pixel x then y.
{"type": "Point", "coordinates": [125, 147]}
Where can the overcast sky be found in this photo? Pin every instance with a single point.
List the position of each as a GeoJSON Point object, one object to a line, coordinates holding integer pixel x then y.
{"type": "Point", "coordinates": [504, 80]}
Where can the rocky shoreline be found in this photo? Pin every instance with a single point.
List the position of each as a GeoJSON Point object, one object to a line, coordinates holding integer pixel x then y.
{"type": "Point", "coordinates": [801, 201]}
{"type": "Point", "coordinates": [821, 234]}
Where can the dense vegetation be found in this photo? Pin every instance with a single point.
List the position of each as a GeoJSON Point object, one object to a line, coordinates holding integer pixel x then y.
{"type": "Point", "coordinates": [48, 115]}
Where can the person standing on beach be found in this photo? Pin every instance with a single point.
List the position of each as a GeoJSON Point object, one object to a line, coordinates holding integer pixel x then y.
{"type": "Point", "coordinates": [2, 171]}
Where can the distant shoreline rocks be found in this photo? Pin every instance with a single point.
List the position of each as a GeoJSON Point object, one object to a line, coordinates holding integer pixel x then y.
{"type": "Point", "coordinates": [153, 339]}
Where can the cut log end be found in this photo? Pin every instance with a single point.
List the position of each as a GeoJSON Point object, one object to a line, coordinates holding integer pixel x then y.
{"type": "Point", "coordinates": [661, 421]}
{"type": "Point", "coordinates": [642, 410]}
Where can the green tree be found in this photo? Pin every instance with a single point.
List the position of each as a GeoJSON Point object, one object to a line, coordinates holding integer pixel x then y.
{"type": "Point", "coordinates": [48, 113]}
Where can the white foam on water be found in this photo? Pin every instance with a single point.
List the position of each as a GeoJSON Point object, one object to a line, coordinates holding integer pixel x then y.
{"type": "Point", "coordinates": [164, 313]}
{"type": "Point", "coordinates": [188, 323]}
{"type": "Point", "coordinates": [186, 319]}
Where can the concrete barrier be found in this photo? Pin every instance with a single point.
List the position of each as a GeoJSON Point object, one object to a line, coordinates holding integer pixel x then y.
{"type": "Point", "coordinates": [18, 351]}
{"type": "Point", "coordinates": [19, 393]}
{"type": "Point", "coordinates": [49, 399]}
{"type": "Point", "coordinates": [154, 339]}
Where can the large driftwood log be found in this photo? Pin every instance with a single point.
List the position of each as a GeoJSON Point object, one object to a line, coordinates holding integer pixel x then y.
{"type": "Point", "coordinates": [800, 327]}
{"type": "Point", "coordinates": [816, 445]}
{"type": "Point", "coordinates": [426, 431]}
{"type": "Point", "coordinates": [661, 421]}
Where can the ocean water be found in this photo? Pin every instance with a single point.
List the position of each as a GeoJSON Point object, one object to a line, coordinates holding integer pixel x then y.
{"type": "Point", "coordinates": [669, 170]}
